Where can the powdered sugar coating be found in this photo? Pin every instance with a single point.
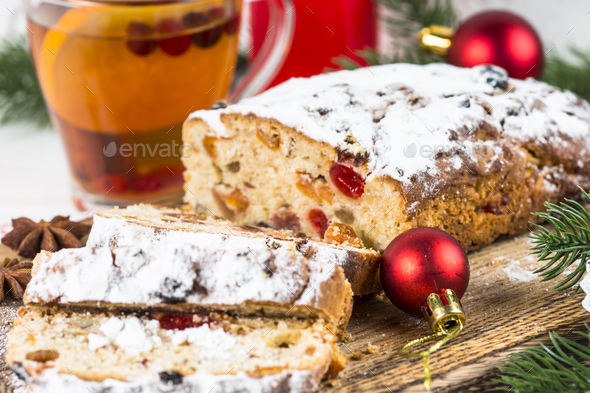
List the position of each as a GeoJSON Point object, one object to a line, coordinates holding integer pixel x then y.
{"type": "Point", "coordinates": [287, 381]}
{"type": "Point", "coordinates": [230, 273]}
{"type": "Point", "coordinates": [392, 107]}
{"type": "Point", "coordinates": [145, 225]}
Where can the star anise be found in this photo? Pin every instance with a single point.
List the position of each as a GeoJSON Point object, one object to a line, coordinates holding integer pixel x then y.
{"type": "Point", "coordinates": [14, 277]}
{"type": "Point", "coordinates": [29, 237]}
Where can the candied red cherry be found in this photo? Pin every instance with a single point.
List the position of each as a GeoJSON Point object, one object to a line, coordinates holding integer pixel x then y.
{"type": "Point", "coordinates": [174, 46]}
{"type": "Point", "coordinates": [347, 180]}
{"type": "Point", "coordinates": [318, 221]}
{"type": "Point", "coordinates": [141, 47]}
{"type": "Point", "coordinates": [178, 321]}
{"type": "Point", "coordinates": [231, 26]}
{"type": "Point", "coordinates": [111, 184]}
{"type": "Point", "coordinates": [492, 208]}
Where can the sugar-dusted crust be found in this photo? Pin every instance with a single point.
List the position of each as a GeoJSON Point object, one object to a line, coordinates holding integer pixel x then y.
{"type": "Point", "coordinates": [246, 278]}
{"type": "Point", "coordinates": [70, 352]}
{"type": "Point", "coordinates": [145, 225]}
{"type": "Point", "coordinates": [469, 151]}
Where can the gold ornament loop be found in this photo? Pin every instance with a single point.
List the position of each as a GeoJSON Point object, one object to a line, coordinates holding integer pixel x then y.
{"type": "Point", "coordinates": [435, 38]}
{"type": "Point", "coordinates": [446, 320]}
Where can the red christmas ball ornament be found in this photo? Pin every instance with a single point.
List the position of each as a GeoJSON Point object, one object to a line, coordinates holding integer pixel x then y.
{"type": "Point", "coordinates": [500, 38]}
{"type": "Point", "coordinates": [420, 262]}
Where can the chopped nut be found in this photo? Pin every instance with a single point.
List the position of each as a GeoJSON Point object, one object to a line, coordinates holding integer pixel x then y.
{"type": "Point", "coordinates": [372, 348]}
{"type": "Point", "coordinates": [342, 234]}
{"type": "Point", "coordinates": [347, 337]}
{"type": "Point", "coordinates": [357, 356]}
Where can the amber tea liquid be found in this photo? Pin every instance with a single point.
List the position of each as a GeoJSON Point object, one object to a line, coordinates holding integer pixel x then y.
{"type": "Point", "coordinates": [119, 81]}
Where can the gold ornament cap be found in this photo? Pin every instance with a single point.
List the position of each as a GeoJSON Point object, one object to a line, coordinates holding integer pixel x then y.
{"type": "Point", "coordinates": [444, 312]}
{"type": "Point", "coordinates": [435, 38]}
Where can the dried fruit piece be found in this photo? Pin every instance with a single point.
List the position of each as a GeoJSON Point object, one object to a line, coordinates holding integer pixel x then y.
{"type": "Point", "coordinates": [284, 218]}
{"type": "Point", "coordinates": [179, 321]}
{"type": "Point", "coordinates": [343, 234]}
{"type": "Point", "coordinates": [209, 146]}
{"type": "Point", "coordinates": [141, 47]}
{"type": "Point", "coordinates": [233, 199]}
{"type": "Point", "coordinates": [271, 138]}
{"type": "Point", "coordinates": [305, 185]}
{"type": "Point", "coordinates": [492, 208]}
{"type": "Point", "coordinates": [346, 216]}
{"type": "Point", "coordinates": [42, 356]}
{"type": "Point", "coordinates": [177, 45]}
{"type": "Point", "coordinates": [347, 180]}
{"type": "Point", "coordinates": [325, 193]}
{"type": "Point", "coordinates": [318, 221]}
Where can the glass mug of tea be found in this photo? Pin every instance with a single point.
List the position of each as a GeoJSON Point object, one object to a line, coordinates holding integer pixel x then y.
{"type": "Point", "coordinates": [119, 78]}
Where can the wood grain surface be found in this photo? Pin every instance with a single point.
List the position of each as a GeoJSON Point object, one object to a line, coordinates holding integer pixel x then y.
{"type": "Point", "coordinates": [507, 308]}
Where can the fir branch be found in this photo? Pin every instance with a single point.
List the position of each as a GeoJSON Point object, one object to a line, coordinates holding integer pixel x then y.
{"type": "Point", "coordinates": [20, 94]}
{"type": "Point", "coordinates": [409, 16]}
{"type": "Point", "coordinates": [559, 368]}
{"type": "Point", "coordinates": [568, 242]}
{"type": "Point", "coordinates": [573, 76]}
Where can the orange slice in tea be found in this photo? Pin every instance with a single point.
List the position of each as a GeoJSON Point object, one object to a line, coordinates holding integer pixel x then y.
{"type": "Point", "coordinates": [100, 72]}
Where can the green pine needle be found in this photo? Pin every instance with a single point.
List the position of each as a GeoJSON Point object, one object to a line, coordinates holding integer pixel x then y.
{"type": "Point", "coordinates": [570, 76]}
{"type": "Point", "coordinates": [568, 242]}
{"type": "Point", "coordinates": [562, 367]}
{"type": "Point", "coordinates": [20, 94]}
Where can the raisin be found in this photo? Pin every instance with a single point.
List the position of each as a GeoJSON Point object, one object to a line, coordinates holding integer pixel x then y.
{"type": "Point", "coordinates": [284, 218]}
{"type": "Point", "coordinates": [233, 167]}
{"type": "Point", "coordinates": [170, 378]}
{"type": "Point", "coordinates": [347, 180]}
{"type": "Point", "coordinates": [318, 221]}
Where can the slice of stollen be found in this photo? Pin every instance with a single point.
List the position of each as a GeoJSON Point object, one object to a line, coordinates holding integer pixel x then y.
{"type": "Point", "coordinates": [241, 276]}
{"type": "Point", "coordinates": [143, 225]}
{"type": "Point", "coordinates": [102, 352]}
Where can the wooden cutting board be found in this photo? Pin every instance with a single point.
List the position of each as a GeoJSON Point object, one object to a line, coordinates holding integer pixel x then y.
{"type": "Point", "coordinates": [507, 308]}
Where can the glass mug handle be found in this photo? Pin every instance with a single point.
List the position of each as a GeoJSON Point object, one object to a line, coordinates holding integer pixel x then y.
{"type": "Point", "coordinates": [273, 52]}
